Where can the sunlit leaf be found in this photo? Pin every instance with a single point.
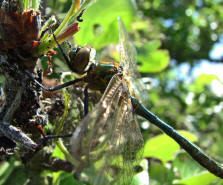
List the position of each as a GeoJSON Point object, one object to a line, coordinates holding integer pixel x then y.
{"type": "Point", "coordinates": [160, 175]}
{"type": "Point", "coordinates": [68, 179]}
{"type": "Point", "coordinates": [202, 81]}
{"type": "Point", "coordinates": [186, 166]}
{"type": "Point", "coordinates": [151, 58]}
{"type": "Point", "coordinates": [100, 25]}
{"type": "Point", "coordinates": [163, 147]}
{"type": "Point", "coordinates": [204, 178]}
{"type": "Point", "coordinates": [56, 177]}
{"type": "Point", "coordinates": [57, 153]}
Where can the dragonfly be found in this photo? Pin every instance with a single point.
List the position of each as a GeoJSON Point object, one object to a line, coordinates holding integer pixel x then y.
{"type": "Point", "coordinates": [109, 136]}
{"type": "Point", "coordinates": [127, 142]}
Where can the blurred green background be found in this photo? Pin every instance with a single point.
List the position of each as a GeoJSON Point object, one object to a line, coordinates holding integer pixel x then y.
{"type": "Point", "coordinates": [180, 47]}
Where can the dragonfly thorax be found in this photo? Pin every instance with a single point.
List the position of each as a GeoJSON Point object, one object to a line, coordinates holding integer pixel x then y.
{"type": "Point", "coordinates": [99, 75]}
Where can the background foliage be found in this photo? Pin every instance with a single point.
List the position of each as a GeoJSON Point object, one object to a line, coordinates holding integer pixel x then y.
{"type": "Point", "coordinates": [170, 36]}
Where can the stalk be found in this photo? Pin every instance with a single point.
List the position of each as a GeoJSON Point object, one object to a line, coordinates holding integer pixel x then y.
{"type": "Point", "coordinates": [67, 24]}
{"type": "Point", "coordinates": [35, 4]}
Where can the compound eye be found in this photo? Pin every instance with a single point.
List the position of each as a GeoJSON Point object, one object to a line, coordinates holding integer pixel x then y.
{"type": "Point", "coordinates": [73, 53]}
{"type": "Point", "coordinates": [81, 60]}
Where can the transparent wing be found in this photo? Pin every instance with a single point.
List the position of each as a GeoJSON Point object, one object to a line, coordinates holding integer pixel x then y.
{"type": "Point", "coordinates": [133, 146]}
{"type": "Point", "coordinates": [128, 62]}
{"type": "Point", "coordinates": [108, 138]}
{"type": "Point", "coordinates": [127, 52]}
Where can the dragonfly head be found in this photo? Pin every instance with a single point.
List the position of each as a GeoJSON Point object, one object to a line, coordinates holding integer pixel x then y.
{"type": "Point", "coordinates": [81, 59]}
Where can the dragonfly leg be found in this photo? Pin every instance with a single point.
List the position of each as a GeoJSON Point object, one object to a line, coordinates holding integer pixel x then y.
{"type": "Point", "coordinates": [61, 50]}
{"type": "Point", "coordinates": [85, 100]}
{"type": "Point", "coordinates": [42, 144]}
{"type": "Point", "coordinates": [57, 136]}
{"type": "Point", "coordinates": [66, 84]}
{"type": "Point", "coordinates": [40, 128]}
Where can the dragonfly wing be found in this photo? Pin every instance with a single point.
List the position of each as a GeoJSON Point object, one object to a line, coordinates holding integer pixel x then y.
{"type": "Point", "coordinates": [132, 149]}
{"type": "Point", "coordinates": [107, 137]}
{"type": "Point", "coordinates": [97, 117]}
{"type": "Point", "coordinates": [128, 62]}
{"type": "Point", "coordinates": [127, 51]}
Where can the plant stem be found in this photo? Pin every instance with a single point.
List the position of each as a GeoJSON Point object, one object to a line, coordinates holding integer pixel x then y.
{"type": "Point", "coordinates": [67, 154]}
{"type": "Point", "coordinates": [48, 43]}
{"type": "Point", "coordinates": [61, 123]}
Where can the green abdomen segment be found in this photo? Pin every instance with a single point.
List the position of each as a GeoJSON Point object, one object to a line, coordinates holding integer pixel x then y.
{"type": "Point", "coordinates": [194, 151]}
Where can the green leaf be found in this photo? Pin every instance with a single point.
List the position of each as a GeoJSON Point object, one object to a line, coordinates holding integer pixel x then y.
{"type": "Point", "coordinates": [163, 147]}
{"type": "Point", "coordinates": [6, 170]}
{"type": "Point", "coordinates": [35, 4]}
{"type": "Point", "coordinates": [17, 176]}
{"type": "Point", "coordinates": [56, 177]}
{"type": "Point", "coordinates": [160, 175]}
{"type": "Point", "coordinates": [100, 25]}
{"type": "Point", "coordinates": [204, 178]}
{"type": "Point", "coordinates": [68, 179]}
{"type": "Point", "coordinates": [186, 166]}
{"type": "Point", "coordinates": [151, 58]}
{"type": "Point", "coordinates": [201, 82]}
{"type": "Point", "coordinates": [31, 4]}
{"type": "Point", "coordinates": [57, 153]}
{"type": "Point", "coordinates": [25, 4]}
